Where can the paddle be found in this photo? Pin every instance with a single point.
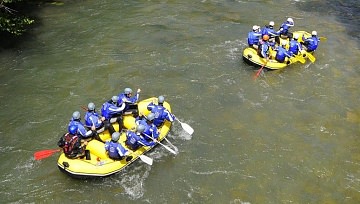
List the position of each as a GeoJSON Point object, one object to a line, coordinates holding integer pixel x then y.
{"type": "Point", "coordinates": [300, 59]}
{"type": "Point", "coordinates": [146, 159]}
{"type": "Point", "coordinates": [166, 147]}
{"type": "Point", "coordinates": [186, 127]}
{"type": "Point", "coordinates": [323, 38]}
{"type": "Point", "coordinates": [259, 71]}
{"type": "Point", "coordinates": [45, 153]}
{"type": "Point", "coordinates": [176, 149]}
{"type": "Point", "coordinates": [310, 56]}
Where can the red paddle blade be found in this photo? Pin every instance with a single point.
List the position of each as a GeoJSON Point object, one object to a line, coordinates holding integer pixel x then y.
{"type": "Point", "coordinates": [259, 71]}
{"type": "Point", "coordinates": [45, 153]}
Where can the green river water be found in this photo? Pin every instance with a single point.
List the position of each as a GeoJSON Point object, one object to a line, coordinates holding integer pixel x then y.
{"type": "Point", "coordinates": [291, 136]}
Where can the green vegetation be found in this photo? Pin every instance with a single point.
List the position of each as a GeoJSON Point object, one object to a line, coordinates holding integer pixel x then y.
{"type": "Point", "coordinates": [12, 19]}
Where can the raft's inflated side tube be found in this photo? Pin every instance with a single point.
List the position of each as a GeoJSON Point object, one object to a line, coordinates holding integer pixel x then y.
{"type": "Point", "coordinates": [97, 148]}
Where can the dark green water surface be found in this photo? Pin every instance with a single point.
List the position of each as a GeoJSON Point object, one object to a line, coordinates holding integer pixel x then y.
{"type": "Point", "coordinates": [291, 136]}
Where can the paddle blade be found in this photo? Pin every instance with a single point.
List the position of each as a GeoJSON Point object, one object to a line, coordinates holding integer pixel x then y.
{"type": "Point", "coordinates": [311, 57]}
{"type": "Point", "coordinates": [45, 153]}
{"type": "Point", "coordinates": [187, 128]}
{"type": "Point", "coordinates": [300, 59]}
{"type": "Point", "coordinates": [168, 148]}
{"type": "Point", "coordinates": [146, 159]}
{"type": "Point", "coordinates": [323, 38]}
{"type": "Point", "coordinates": [258, 73]}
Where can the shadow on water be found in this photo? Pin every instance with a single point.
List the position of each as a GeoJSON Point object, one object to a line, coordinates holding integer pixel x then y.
{"type": "Point", "coordinates": [26, 8]}
{"type": "Point", "coordinates": [347, 12]}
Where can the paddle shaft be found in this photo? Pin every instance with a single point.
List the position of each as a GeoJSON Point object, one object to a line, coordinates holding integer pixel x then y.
{"type": "Point", "coordinates": [259, 71]}
{"type": "Point", "coordinates": [170, 143]}
{"type": "Point", "coordinates": [166, 147]}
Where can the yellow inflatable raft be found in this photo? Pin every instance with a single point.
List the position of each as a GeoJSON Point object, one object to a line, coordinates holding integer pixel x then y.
{"type": "Point", "coordinates": [251, 56]}
{"type": "Point", "coordinates": [99, 164]}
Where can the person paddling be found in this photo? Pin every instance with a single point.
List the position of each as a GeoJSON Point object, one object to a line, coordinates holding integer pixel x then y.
{"type": "Point", "coordinates": [160, 112]}
{"type": "Point", "coordinates": [310, 44]}
{"type": "Point", "coordinates": [115, 150]}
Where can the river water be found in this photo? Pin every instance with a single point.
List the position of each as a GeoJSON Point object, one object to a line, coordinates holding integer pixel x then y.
{"type": "Point", "coordinates": [291, 136]}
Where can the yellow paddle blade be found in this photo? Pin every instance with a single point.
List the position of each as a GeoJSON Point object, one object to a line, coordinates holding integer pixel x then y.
{"type": "Point", "coordinates": [323, 38]}
{"type": "Point", "coordinates": [311, 57]}
{"type": "Point", "coordinates": [300, 59]}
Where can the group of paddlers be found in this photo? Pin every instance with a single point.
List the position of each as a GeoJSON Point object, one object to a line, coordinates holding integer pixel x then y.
{"type": "Point", "coordinates": [145, 133]}
{"type": "Point", "coordinates": [267, 39]}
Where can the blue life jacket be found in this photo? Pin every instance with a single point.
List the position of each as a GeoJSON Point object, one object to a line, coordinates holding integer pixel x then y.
{"type": "Point", "coordinates": [161, 114]}
{"type": "Point", "coordinates": [311, 43]}
{"type": "Point", "coordinates": [253, 38]}
{"type": "Point", "coordinates": [135, 140]}
{"type": "Point", "coordinates": [109, 110]}
{"type": "Point", "coordinates": [150, 129]}
{"type": "Point", "coordinates": [124, 99]}
{"type": "Point", "coordinates": [263, 49]}
{"type": "Point", "coordinates": [269, 31]}
{"type": "Point", "coordinates": [284, 28]}
{"type": "Point", "coordinates": [115, 150]}
{"type": "Point", "coordinates": [91, 118]}
{"type": "Point", "coordinates": [81, 129]}
{"type": "Point", "coordinates": [294, 47]}
{"type": "Point", "coordinates": [281, 54]}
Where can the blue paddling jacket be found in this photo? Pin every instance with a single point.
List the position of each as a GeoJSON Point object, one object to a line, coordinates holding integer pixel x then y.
{"type": "Point", "coordinates": [81, 129]}
{"type": "Point", "coordinates": [269, 31]}
{"type": "Point", "coordinates": [253, 38]}
{"type": "Point", "coordinates": [281, 54]}
{"type": "Point", "coordinates": [311, 43]}
{"type": "Point", "coordinates": [161, 114]}
{"type": "Point", "coordinates": [294, 47]}
{"type": "Point", "coordinates": [115, 150]}
{"type": "Point", "coordinates": [135, 140]}
{"type": "Point", "coordinates": [284, 28]}
{"type": "Point", "coordinates": [123, 99]}
{"type": "Point", "coordinates": [150, 129]}
{"type": "Point", "coordinates": [110, 110]}
{"type": "Point", "coordinates": [92, 117]}
{"type": "Point", "coordinates": [263, 49]}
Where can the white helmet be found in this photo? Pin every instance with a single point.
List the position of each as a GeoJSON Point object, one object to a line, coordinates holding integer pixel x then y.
{"type": "Point", "coordinates": [290, 21]}
{"type": "Point", "coordinates": [296, 36]}
{"type": "Point", "coordinates": [314, 33]}
{"type": "Point", "coordinates": [255, 27]}
{"type": "Point", "coordinates": [271, 23]}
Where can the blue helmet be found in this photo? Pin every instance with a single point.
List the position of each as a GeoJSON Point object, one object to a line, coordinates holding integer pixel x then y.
{"type": "Point", "coordinates": [73, 129]}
